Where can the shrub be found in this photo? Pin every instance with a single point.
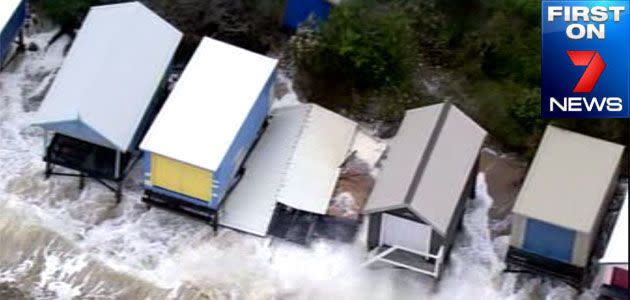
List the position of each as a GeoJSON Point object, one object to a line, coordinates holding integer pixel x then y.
{"type": "Point", "coordinates": [67, 13]}
{"type": "Point", "coordinates": [361, 44]}
{"type": "Point", "coordinates": [489, 48]}
{"type": "Point", "coordinates": [273, 9]}
{"type": "Point", "coordinates": [526, 110]}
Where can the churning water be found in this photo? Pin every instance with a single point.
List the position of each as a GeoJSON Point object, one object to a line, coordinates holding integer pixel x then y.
{"type": "Point", "coordinates": [57, 242]}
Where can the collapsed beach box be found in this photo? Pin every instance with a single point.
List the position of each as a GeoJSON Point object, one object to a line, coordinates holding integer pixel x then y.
{"type": "Point", "coordinates": [195, 148]}
{"type": "Point", "coordinates": [418, 201]}
{"type": "Point", "coordinates": [613, 276]}
{"type": "Point", "coordinates": [12, 17]}
{"type": "Point", "coordinates": [559, 209]}
{"type": "Point", "coordinates": [107, 91]}
{"type": "Point", "coordinates": [296, 163]}
{"type": "Point", "coordinates": [298, 11]}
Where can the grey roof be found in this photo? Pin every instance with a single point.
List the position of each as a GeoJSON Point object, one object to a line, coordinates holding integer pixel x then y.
{"type": "Point", "coordinates": [111, 74]}
{"type": "Point", "coordinates": [568, 181]}
{"type": "Point", "coordinates": [427, 165]}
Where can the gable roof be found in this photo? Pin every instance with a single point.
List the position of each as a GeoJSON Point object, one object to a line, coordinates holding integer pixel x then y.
{"type": "Point", "coordinates": [112, 72]}
{"type": "Point", "coordinates": [569, 179]}
{"type": "Point", "coordinates": [215, 94]}
{"type": "Point", "coordinates": [7, 9]}
{"type": "Point", "coordinates": [296, 162]}
{"type": "Point", "coordinates": [617, 249]}
{"type": "Point", "coordinates": [428, 164]}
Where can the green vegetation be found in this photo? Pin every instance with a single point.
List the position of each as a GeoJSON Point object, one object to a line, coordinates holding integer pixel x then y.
{"type": "Point", "coordinates": [371, 59]}
{"type": "Point", "coordinates": [374, 59]}
{"type": "Point", "coordinates": [273, 9]}
{"type": "Point", "coordinates": [67, 13]}
{"type": "Point", "coordinates": [363, 46]}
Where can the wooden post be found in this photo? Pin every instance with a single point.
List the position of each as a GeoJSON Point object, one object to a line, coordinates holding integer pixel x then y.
{"type": "Point", "coordinates": [21, 45]}
{"type": "Point", "coordinates": [117, 165]}
{"type": "Point", "coordinates": [81, 181]}
{"type": "Point", "coordinates": [119, 192]}
{"type": "Point", "coordinates": [48, 170]}
{"type": "Point", "coordinates": [215, 222]}
{"type": "Point", "coordinates": [117, 178]}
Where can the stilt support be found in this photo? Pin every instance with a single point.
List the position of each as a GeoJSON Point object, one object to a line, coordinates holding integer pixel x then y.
{"type": "Point", "coordinates": [201, 212]}
{"type": "Point", "coordinates": [48, 171]}
{"type": "Point", "coordinates": [119, 192]}
{"type": "Point", "coordinates": [81, 181]}
{"type": "Point", "coordinates": [21, 45]}
{"type": "Point", "coordinates": [215, 222]}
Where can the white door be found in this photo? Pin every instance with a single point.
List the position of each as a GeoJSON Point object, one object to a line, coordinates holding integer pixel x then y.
{"type": "Point", "coordinates": [397, 231]}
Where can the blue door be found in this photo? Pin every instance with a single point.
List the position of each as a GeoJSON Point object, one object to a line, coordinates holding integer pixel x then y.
{"type": "Point", "coordinates": [549, 240]}
{"type": "Point", "coordinates": [297, 11]}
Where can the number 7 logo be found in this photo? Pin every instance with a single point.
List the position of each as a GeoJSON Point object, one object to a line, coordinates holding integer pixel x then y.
{"type": "Point", "coordinates": [594, 68]}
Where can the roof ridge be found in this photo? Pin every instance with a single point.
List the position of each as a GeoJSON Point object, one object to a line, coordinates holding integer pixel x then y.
{"type": "Point", "coordinates": [424, 160]}
{"type": "Point", "coordinates": [112, 51]}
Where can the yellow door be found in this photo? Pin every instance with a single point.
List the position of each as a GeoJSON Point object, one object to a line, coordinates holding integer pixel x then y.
{"type": "Point", "coordinates": [180, 177]}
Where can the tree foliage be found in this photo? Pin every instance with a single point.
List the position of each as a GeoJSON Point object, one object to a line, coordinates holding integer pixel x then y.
{"type": "Point", "coordinates": [67, 13]}
{"type": "Point", "coordinates": [492, 48]}
{"type": "Point", "coordinates": [360, 45]}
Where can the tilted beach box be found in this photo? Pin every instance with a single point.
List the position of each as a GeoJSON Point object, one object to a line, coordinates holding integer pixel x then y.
{"type": "Point", "coordinates": [559, 209]}
{"type": "Point", "coordinates": [298, 11]}
{"type": "Point", "coordinates": [418, 201]}
{"type": "Point", "coordinates": [613, 266]}
{"type": "Point", "coordinates": [296, 163]}
{"type": "Point", "coordinates": [107, 92]}
{"type": "Point", "coordinates": [199, 140]}
{"type": "Point", "coordinates": [12, 17]}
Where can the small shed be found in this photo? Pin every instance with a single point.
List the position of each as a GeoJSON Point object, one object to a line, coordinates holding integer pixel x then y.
{"type": "Point", "coordinates": [107, 92]}
{"type": "Point", "coordinates": [296, 163]}
{"type": "Point", "coordinates": [613, 276]}
{"type": "Point", "coordinates": [197, 144]}
{"type": "Point", "coordinates": [418, 201]}
{"type": "Point", "coordinates": [298, 11]}
{"type": "Point", "coordinates": [558, 212]}
{"type": "Point", "coordinates": [12, 17]}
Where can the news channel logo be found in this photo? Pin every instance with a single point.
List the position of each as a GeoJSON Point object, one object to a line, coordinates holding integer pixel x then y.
{"type": "Point", "coordinates": [585, 59]}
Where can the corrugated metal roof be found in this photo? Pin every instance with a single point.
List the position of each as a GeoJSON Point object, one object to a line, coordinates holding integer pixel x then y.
{"type": "Point", "coordinates": [617, 250]}
{"type": "Point", "coordinates": [568, 180]}
{"type": "Point", "coordinates": [7, 8]}
{"type": "Point", "coordinates": [427, 167]}
{"type": "Point", "coordinates": [112, 72]}
{"type": "Point", "coordinates": [250, 206]}
{"type": "Point", "coordinates": [295, 162]}
{"type": "Point", "coordinates": [210, 102]}
{"type": "Point", "coordinates": [323, 146]}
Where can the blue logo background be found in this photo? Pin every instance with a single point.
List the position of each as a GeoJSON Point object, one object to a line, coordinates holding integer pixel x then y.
{"type": "Point", "coordinates": [560, 75]}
